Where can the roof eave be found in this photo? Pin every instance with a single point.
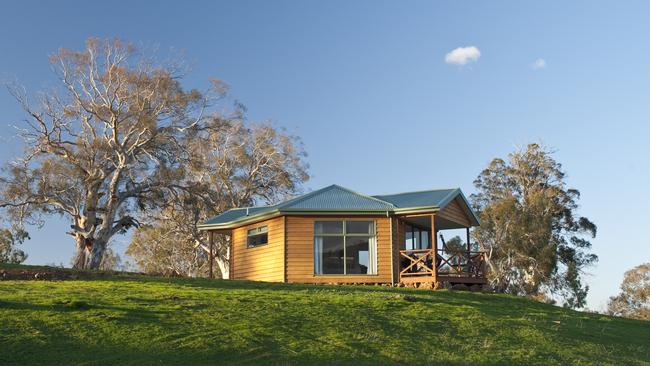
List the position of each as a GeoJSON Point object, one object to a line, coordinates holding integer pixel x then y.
{"type": "Point", "coordinates": [240, 222]}
{"type": "Point", "coordinates": [416, 210]}
{"type": "Point", "coordinates": [270, 214]}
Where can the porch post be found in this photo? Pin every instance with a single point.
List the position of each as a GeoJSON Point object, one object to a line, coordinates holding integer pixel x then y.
{"type": "Point", "coordinates": [211, 253]}
{"type": "Point", "coordinates": [469, 248]}
{"type": "Point", "coordinates": [434, 248]}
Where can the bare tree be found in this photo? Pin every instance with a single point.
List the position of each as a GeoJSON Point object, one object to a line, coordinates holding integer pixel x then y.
{"type": "Point", "coordinates": [230, 164]}
{"type": "Point", "coordinates": [103, 145]}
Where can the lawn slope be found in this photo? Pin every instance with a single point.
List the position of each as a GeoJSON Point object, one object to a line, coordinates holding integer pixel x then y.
{"type": "Point", "coordinates": [131, 320]}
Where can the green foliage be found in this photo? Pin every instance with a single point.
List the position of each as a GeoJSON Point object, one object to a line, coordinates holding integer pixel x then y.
{"type": "Point", "coordinates": [634, 299]}
{"type": "Point", "coordinates": [536, 242]}
{"type": "Point", "coordinates": [9, 240]}
{"type": "Point", "coordinates": [142, 321]}
{"type": "Point", "coordinates": [455, 245]}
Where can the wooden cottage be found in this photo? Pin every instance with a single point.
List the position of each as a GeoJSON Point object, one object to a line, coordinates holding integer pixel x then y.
{"type": "Point", "coordinates": [335, 235]}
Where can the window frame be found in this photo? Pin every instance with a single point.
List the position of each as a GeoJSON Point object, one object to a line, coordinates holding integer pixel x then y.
{"type": "Point", "coordinates": [372, 247]}
{"type": "Point", "coordinates": [259, 232]}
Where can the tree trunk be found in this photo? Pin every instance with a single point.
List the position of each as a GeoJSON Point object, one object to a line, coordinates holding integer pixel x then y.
{"type": "Point", "coordinates": [82, 251]}
{"type": "Point", "coordinates": [224, 266]}
{"type": "Point", "coordinates": [96, 254]}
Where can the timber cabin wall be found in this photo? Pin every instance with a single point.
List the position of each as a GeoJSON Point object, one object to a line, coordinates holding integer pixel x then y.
{"type": "Point", "coordinates": [262, 263]}
{"type": "Point", "coordinates": [300, 251]}
{"type": "Point", "coordinates": [399, 238]}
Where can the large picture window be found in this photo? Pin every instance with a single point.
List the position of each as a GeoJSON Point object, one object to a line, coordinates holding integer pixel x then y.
{"type": "Point", "coordinates": [345, 247]}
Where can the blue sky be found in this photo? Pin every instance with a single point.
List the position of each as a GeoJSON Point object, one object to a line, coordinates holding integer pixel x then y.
{"type": "Point", "coordinates": [366, 86]}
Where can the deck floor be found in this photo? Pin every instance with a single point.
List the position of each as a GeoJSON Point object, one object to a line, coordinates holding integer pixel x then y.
{"type": "Point", "coordinates": [443, 278]}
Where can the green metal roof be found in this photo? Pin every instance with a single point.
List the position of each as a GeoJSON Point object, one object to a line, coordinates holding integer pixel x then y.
{"type": "Point", "coordinates": [437, 198]}
{"type": "Point", "coordinates": [434, 198]}
{"type": "Point", "coordinates": [237, 213]}
{"type": "Point", "coordinates": [337, 199]}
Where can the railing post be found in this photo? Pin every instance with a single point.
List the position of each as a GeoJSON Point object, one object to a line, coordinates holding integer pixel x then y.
{"type": "Point", "coordinates": [434, 248]}
{"type": "Point", "coordinates": [469, 248]}
{"type": "Point", "coordinates": [483, 263]}
{"type": "Point", "coordinates": [211, 233]}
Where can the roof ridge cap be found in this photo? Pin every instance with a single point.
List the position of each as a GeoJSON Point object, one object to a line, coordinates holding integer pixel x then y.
{"type": "Point", "coordinates": [303, 197]}
{"type": "Point", "coordinates": [420, 191]}
{"type": "Point", "coordinates": [365, 196]}
{"type": "Point", "coordinates": [288, 204]}
{"type": "Point", "coordinates": [448, 198]}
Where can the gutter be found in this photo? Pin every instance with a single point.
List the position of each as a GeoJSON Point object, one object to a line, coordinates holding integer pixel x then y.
{"type": "Point", "coordinates": [416, 210]}
{"type": "Point", "coordinates": [275, 213]}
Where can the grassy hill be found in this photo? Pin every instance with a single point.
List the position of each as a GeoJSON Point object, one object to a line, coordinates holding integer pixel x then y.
{"type": "Point", "coordinates": [137, 320]}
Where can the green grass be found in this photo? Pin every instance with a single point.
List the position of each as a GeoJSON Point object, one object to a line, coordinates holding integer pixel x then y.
{"type": "Point", "coordinates": [143, 320]}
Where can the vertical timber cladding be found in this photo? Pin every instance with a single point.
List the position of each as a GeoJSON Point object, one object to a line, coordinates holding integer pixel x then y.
{"type": "Point", "coordinates": [300, 251]}
{"type": "Point", "coordinates": [399, 240]}
{"type": "Point", "coordinates": [262, 263]}
{"type": "Point", "coordinates": [454, 212]}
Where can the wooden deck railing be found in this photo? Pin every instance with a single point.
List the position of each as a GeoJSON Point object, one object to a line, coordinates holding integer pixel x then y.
{"type": "Point", "coordinates": [461, 264]}
{"type": "Point", "coordinates": [418, 262]}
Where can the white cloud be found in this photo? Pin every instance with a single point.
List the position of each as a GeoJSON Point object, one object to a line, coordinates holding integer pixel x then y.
{"type": "Point", "coordinates": [462, 55]}
{"type": "Point", "coordinates": [538, 64]}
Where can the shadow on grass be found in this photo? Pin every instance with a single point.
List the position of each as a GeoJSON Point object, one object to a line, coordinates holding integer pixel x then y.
{"type": "Point", "coordinates": [91, 309]}
{"type": "Point", "coordinates": [61, 345]}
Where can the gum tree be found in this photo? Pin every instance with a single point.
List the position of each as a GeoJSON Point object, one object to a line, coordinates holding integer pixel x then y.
{"type": "Point", "coordinates": [536, 242]}
{"type": "Point", "coordinates": [634, 299]}
{"type": "Point", "coordinates": [103, 144]}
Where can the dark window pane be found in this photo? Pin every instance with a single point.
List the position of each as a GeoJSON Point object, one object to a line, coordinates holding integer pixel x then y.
{"type": "Point", "coordinates": [328, 227]}
{"type": "Point", "coordinates": [260, 239]}
{"type": "Point", "coordinates": [332, 254]}
{"type": "Point", "coordinates": [416, 239]}
{"type": "Point", "coordinates": [360, 227]}
{"type": "Point", "coordinates": [357, 255]}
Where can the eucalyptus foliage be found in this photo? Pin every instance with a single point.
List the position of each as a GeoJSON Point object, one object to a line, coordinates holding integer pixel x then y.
{"type": "Point", "coordinates": [9, 242]}
{"type": "Point", "coordinates": [536, 242]}
{"type": "Point", "coordinates": [634, 299]}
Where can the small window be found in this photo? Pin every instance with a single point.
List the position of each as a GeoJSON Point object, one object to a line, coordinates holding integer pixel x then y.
{"type": "Point", "coordinates": [258, 236]}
